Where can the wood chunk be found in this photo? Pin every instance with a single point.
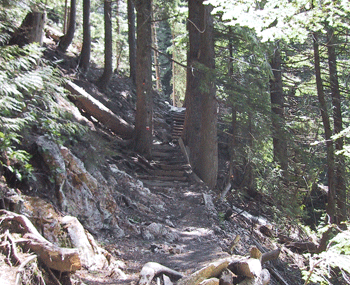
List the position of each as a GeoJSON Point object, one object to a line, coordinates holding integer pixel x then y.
{"type": "Point", "coordinates": [211, 281]}
{"type": "Point", "coordinates": [151, 269]}
{"type": "Point", "coordinates": [211, 270]}
{"type": "Point", "coordinates": [166, 280]}
{"type": "Point", "coordinates": [226, 277]}
{"type": "Point", "coordinates": [250, 268]}
{"type": "Point", "coordinates": [271, 255]}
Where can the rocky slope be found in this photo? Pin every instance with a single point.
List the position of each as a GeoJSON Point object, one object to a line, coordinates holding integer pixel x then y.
{"type": "Point", "coordinates": [136, 210]}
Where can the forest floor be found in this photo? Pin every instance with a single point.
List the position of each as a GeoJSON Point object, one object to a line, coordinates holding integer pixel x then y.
{"type": "Point", "coordinates": [190, 232]}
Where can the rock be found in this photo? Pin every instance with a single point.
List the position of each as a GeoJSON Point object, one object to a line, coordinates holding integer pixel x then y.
{"type": "Point", "coordinates": [88, 198]}
{"type": "Point", "coordinates": [53, 159]}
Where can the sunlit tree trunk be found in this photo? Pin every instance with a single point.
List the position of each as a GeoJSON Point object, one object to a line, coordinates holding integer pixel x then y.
{"type": "Point", "coordinates": [338, 127]}
{"type": "Point", "coordinates": [108, 68]}
{"type": "Point", "coordinates": [65, 19]}
{"type": "Point", "coordinates": [144, 104]}
{"type": "Point", "coordinates": [277, 108]}
{"type": "Point", "coordinates": [132, 39]}
{"type": "Point", "coordinates": [232, 142]}
{"type": "Point", "coordinates": [67, 39]}
{"type": "Point", "coordinates": [86, 49]}
{"type": "Point", "coordinates": [155, 55]}
{"type": "Point", "coordinates": [331, 202]}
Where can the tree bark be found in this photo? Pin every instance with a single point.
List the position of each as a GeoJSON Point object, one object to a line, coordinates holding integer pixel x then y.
{"type": "Point", "coordinates": [200, 130]}
{"type": "Point", "coordinates": [91, 106]}
{"type": "Point", "coordinates": [208, 157]}
{"type": "Point", "coordinates": [31, 29]}
{"type": "Point", "coordinates": [155, 55]}
{"type": "Point", "coordinates": [338, 127]}
{"type": "Point", "coordinates": [144, 104]}
{"type": "Point", "coordinates": [132, 40]}
{"type": "Point", "coordinates": [278, 122]}
{"type": "Point", "coordinates": [108, 68]}
{"type": "Point", "coordinates": [331, 203]}
{"type": "Point", "coordinates": [86, 49]}
{"type": "Point", "coordinates": [67, 39]}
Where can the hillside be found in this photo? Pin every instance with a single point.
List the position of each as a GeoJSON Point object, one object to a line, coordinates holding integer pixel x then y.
{"type": "Point", "coordinates": [98, 178]}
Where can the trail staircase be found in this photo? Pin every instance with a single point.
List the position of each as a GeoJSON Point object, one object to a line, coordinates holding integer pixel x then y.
{"type": "Point", "coordinates": [169, 166]}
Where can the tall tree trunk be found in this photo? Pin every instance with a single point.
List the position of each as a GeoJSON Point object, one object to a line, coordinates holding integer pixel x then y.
{"type": "Point", "coordinates": [119, 43]}
{"type": "Point", "coordinates": [277, 108]}
{"type": "Point", "coordinates": [144, 104]}
{"type": "Point", "coordinates": [132, 40]}
{"type": "Point", "coordinates": [67, 39]}
{"type": "Point", "coordinates": [108, 68]}
{"type": "Point", "coordinates": [192, 102]}
{"type": "Point", "coordinates": [86, 49]}
{"type": "Point", "coordinates": [331, 202]}
{"type": "Point", "coordinates": [232, 143]}
{"type": "Point", "coordinates": [208, 159]}
{"type": "Point", "coordinates": [338, 127]}
{"type": "Point", "coordinates": [65, 19]}
{"type": "Point", "coordinates": [155, 55]}
{"type": "Point", "coordinates": [201, 112]}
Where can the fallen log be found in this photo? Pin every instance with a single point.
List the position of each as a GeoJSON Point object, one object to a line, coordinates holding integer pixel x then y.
{"type": "Point", "coordinates": [152, 269]}
{"type": "Point", "coordinates": [54, 257]}
{"type": "Point", "coordinates": [84, 101]}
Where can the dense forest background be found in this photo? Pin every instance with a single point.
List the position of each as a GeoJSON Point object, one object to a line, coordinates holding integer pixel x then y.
{"type": "Point", "coordinates": [265, 85]}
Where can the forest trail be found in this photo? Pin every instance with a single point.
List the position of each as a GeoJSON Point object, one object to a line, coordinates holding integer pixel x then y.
{"type": "Point", "coordinates": [169, 165]}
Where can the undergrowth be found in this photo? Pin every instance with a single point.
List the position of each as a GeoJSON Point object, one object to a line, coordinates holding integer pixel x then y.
{"type": "Point", "coordinates": [29, 90]}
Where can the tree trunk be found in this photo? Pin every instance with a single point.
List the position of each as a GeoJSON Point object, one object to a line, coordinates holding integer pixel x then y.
{"type": "Point", "coordinates": [65, 17]}
{"type": "Point", "coordinates": [108, 68]}
{"type": "Point", "coordinates": [338, 127]}
{"type": "Point", "coordinates": [144, 104]}
{"type": "Point", "coordinates": [191, 135]}
{"type": "Point", "coordinates": [232, 142]}
{"type": "Point", "coordinates": [331, 203]}
{"type": "Point", "coordinates": [155, 55]}
{"type": "Point", "coordinates": [278, 122]}
{"type": "Point", "coordinates": [67, 39]}
{"type": "Point", "coordinates": [86, 49]}
{"type": "Point", "coordinates": [132, 40]}
{"type": "Point", "coordinates": [208, 156]}
{"type": "Point", "coordinates": [200, 133]}
{"type": "Point", "coordinates": [31, 29]}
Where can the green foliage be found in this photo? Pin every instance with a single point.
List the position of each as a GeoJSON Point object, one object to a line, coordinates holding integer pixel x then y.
{"type": "Point", "coordinates": [332, 265]}
{"type": "Point", "coordinates": [28, 99]}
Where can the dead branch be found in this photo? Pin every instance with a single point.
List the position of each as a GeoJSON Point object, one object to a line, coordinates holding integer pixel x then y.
{"type": "Point", "coordinates": [151, 269]}
{"type": "Point", "coordinates": [20, 270]}
{"type": "Point", "coordinates": [54, 257]}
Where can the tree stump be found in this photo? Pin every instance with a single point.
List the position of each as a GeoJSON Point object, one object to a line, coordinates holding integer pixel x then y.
{"type": "Point", "coordinates": [31, 29]}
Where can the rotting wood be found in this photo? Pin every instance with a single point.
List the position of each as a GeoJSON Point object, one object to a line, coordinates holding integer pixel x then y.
{"type": "Point", "coordinates": [54, 257]}
{"type": "Point", "coordinates": [84, 101]}
{"type": "Point", "coordinates": [271, 255]}
{"type": "Point", "coordinates": [151, 269]}
{"type": "Point", "coordinates": [20, 269]}
{"type": "Point", "coordinates": [211, 270]}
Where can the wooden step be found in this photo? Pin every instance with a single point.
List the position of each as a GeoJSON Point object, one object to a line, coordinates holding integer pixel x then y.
{"type": "Point", "coordinates": [162, 178]}
{"type": "Point", "coordinates": [174, 173]}
{"type": "Point", "coordinates": [165, 184]}
{"type": "Point", "coordinates": [173, 167]}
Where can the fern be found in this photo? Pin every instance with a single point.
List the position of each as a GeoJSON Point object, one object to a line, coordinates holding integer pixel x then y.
{"type": "Point", "coordinates": [29, 86]}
